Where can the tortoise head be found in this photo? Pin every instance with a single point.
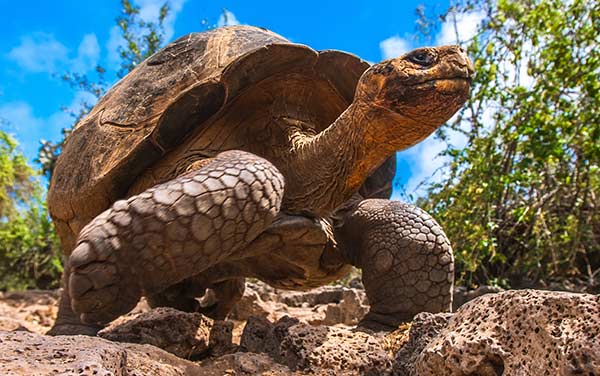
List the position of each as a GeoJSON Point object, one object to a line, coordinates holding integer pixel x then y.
{"type": "Point", "coordinates": [425, 86]}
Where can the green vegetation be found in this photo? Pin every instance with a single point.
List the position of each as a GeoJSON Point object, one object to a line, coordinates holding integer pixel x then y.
{"type": "Point", "coordinates": [521, 198]}
{"type": "Point", "coordinates": [29, 250]}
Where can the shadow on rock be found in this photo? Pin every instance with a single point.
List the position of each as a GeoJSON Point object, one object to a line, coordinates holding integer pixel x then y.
{"type": "Point", "coordinates": [187, 335]}
{"type": "Point", "coordinates": [301, 346]}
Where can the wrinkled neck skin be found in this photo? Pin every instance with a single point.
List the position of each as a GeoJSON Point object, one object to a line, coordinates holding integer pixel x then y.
{"type": "Point", "coordinates": [327, 169]}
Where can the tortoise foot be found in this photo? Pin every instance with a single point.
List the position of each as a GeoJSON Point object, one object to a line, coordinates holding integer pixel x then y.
{"type": "Point", "coordinates": [99, 291]}
{"type": "Point", "coordinates": [405, 257]}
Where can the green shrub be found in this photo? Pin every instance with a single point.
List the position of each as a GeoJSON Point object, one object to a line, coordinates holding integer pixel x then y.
{"type": "Point", "coordinates": [29, 249]}
{"type": "Point", "coordinates": [522, 197]}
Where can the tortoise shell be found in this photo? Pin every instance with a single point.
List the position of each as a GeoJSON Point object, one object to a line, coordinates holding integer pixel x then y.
{"type": "Point", "coordinates": [174, 98]}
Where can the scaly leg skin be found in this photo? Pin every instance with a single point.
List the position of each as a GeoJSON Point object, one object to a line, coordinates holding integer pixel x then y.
{"type": "Point", "coordinates": [406, 261]}
{"type": "Point", "coordinates": [170, 232]}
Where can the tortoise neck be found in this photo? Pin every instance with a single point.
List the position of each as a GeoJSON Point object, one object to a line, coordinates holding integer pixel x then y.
{"type": "Point", "coordinates": [327, 169]}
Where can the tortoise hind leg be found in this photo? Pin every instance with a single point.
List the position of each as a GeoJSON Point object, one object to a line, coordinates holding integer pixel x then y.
{"type": "Point", "coordinates": [177, 296]}
{"type": "Point", "coordinates": [406, 261]}
{"type": "Point", "coordinates": [222, 297]}
{"type": "Point", "coordinates": [171, 232]}
{"type": "Point", "coordinates": [218, 298]}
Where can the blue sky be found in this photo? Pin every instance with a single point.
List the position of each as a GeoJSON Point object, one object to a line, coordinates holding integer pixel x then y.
{"type": "Point", "coordinates": [41, 39]}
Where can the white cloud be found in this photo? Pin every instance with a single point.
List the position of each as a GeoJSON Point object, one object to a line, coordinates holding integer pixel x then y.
{"type": "Point", "coordinates": [114, 42]}
{"type": "Point", "coordinates": [88, 54]}
{"type": "Point", "coordinates": [25, 126]}
{"type": "Point", "coordinates": [425, 164]}
{"type": "Point", "coordinates": [41, 52]}
{"type": "Point", "coordinates": [459, 28]}
{"type": "Point", "coordinates": [29, 128]}
{"type": "Point", "coordinates": [227, 18]}
{"type": "Point", "coordinates": [20, 115]}
{"type": "Point", "coordinates": [394, 46]}
{"type": "Point", "coordinates": [149, 12]}
{"type": "Point", "coordinates": [516, 71]}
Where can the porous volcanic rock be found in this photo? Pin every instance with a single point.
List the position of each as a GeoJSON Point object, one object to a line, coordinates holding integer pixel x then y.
{"type": "Point", "coordinates": [244, 364]}
{"type": "Point", "coordinates": [423, 329]}
{"type": "Point", "coordinates": [348, 311]}
{"type": "Point", "coordinates": [24, 353]}
{"type": "Point", "coordinates": [305, 347]}
{"type": "Point", "coordinates": [251, 304]}
{"type": "Point", "coordinates": [184, 334]}
{"type": "Point", "coordinates": [519, 332]}
{"type": "Point", "coordinates": [326, 305]}
{"type": "Point", "coordinates": [320, 295]}
{"type": "Point", "coordinates": [220, 339]}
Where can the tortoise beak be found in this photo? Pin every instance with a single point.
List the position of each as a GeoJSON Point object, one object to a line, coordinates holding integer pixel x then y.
{"type": "Point", "coordinates": [467, 64]}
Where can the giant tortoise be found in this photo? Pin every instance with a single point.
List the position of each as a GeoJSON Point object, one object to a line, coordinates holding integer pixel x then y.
{"type": "Point", "coordinates": [235, 153]}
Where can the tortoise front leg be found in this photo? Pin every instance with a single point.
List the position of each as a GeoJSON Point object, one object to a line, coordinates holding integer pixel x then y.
{"type": "Point", "coordinates": [406, 260]}
{"type": "Point", "coordinates": [171, 232]}
{"type": "Point", "coordinates": [67, 322]}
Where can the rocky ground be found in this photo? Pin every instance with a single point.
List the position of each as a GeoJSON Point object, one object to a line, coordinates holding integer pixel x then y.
{"type": "Point", "coordinates": [524, 332]}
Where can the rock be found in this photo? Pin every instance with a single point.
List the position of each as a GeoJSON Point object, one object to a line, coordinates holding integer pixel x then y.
{"type": "Point", "coordinates": [220, 340]}
{"type": "Point", "coordinates": [301, 346]}
{"type": "Point", "coordinates": [423, 329]}
{"type": "Point", "coordinates": [521, 332]}
{"type": "Point", "coordinates": [510, 333]}
{"type": "Point", "coordinates": [262, 336]}
{"type": "Point", "coordinates": [349, 311]}
{"type": "Point", "coordinates": [181, 333]}
{"type": "Point", "coordinates": [328, 305]}
{"type": "Point", "coordinates": [32, 310]}
{"type": "Point", "coordinates": [23, 353]}
{"type": "Point", "coordinates": [320, 295]}
{"type": "Point", "coordinates": [461, 295]}
{"type": "Point", "coordinates": [30, 297]}
{"type": "Point", "coordinates": [244, 364]}
{"type": "Point", "coordinates": [9, 324]}
{"type": "Point", "coordinates": [251, 304]}
{"type": "Point", "coordinates": [266, 292]}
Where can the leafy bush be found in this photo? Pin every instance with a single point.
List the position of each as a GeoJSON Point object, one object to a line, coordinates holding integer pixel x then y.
{"type": "Point", "coordinates": [29, 250]}
{"type": "Point", "coordinates": [521, 198]}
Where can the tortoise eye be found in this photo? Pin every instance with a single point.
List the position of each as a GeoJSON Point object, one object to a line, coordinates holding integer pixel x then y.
{"type": "Point", "coordinates": [422, 58]}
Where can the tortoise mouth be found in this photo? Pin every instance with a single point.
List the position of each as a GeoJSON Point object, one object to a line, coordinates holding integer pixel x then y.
{"type": "Point", "coordinates": [462, 78]}
{"type": "Point", "coordinates": [454, 86]}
